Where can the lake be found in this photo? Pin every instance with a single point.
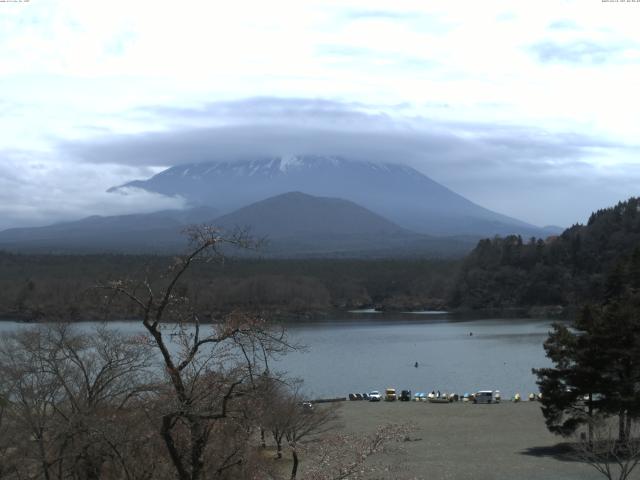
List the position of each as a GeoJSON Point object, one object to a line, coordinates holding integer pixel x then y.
{"type": "Point", "coordinates": [368, 351]}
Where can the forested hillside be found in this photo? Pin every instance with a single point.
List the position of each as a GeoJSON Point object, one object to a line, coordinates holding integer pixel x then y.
{"type": "Point", "coordinates": [565, 270]}
{"type": "Point", "coordinates": [500, 273]}
{"type": "Point", "coordinates": [45, 286]}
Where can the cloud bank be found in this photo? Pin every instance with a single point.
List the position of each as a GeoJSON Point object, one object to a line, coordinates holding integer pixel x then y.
{"type": "Point", "coordinates": [505, 166]}
{"type": "Point", "coordinates": [36, 189]}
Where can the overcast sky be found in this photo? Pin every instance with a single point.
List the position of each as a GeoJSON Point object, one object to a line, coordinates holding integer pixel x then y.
{"type": "Point", "coordinates": [530, 108]}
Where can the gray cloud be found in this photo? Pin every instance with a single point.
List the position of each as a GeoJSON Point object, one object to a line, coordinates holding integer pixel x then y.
{"type": "Point", "coordinates": [270, 110]}
{"type": "Point", "coordinates": [578, 52]}
{"type": "Point", "coordinates": [517, 170]}
{"type": "Point", "coordinates": [271, 126]}
{"type": "Point", "coordinates": [37, 189]}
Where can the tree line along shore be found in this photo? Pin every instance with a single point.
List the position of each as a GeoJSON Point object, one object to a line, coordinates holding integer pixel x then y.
{"type": "Point", "coordinates": [540, 276]}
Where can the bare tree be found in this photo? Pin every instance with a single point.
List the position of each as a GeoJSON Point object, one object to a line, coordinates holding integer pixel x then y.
{"type": "Point", "coordinates": [306, 425]}
{"type": "Point", "coordinates": [30, 394]}
{"type": "Point", "coordinates": [304, 421]}
{"type": "Point", "coordinates": [604, 451]}
{"type": "Point", "coordinates": [66, 393]}
{"type": "Point", "coordinates": [5, 437]}
{"type": "Point", "coordinates": [210, 370]}
{"type": "Point", "coordinates": [277, 422]}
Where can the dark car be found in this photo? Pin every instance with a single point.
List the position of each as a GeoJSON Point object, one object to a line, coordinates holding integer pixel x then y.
{"type": "Point", "coordinates": [352, 396]}
{"type": "Point", "coordinates": [365, 396]}
{"type": "Point", "coordinates": [358, 396]}
{"type": "Point", "coordinates": [405, 396]}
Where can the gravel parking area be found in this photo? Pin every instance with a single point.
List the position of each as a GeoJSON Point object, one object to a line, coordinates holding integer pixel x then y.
{"type": "Point", "coordinates": [466, 441]}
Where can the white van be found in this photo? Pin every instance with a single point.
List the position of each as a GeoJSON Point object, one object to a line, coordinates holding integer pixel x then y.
{"type": "Point", "coordinates": [484, 396]}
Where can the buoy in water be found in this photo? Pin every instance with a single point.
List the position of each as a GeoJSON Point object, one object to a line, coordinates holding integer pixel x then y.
{"type": "Point", "coordinates": [416, 365]}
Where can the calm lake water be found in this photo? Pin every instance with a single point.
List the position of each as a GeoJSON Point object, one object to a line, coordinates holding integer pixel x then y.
{"type": "Point", "coordinates": [371, 352]}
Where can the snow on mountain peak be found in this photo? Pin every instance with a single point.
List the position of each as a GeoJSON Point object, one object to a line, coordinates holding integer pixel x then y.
{"type": "Point", "coordinates": [274, 166]}
{"type": "Point", "coordinates": [288, 161]}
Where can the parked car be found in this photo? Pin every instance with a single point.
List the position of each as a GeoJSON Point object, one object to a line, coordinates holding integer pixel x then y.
{"type": "Point", "coordinates": [365, 396]}
{"type": "Point", "coordinates": [390, 394]}
{"type": "Point", "coordinates": [352, 396]}
{"type": "Point", "coordinates": [484, 396]}
{"type": "Point", "coordinates": [375, 396]}
{"type": "Point", "coordinates": [405, 396]}
{"type": "Point", "coordinates": [307, 407]}
{"type": "Point", "coordinates": [358, 396]}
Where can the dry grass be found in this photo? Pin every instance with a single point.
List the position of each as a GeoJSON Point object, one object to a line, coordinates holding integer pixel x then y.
{"type": "Point", "coordinates": [466, 441]}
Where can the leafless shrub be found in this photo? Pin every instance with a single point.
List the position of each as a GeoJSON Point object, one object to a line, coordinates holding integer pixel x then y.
{"type": "Point", "coordinates": [604, 451]}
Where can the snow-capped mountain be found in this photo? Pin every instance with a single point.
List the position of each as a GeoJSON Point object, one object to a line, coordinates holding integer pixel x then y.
{"type": "Point", "coordinates": [397, 192]}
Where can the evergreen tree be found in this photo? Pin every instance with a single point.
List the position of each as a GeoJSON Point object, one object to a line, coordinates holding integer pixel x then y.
{"type": "Point", "coordinates": [568, 269]}
{"type": "Point", "coordinates": [570, 390]}
{"type": "Point", "coordinates": [597, 362]}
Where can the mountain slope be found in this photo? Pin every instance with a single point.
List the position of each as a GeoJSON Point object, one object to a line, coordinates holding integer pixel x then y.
{"type": "Point", "coordinates": [296, 214]}
{"type": "Point", "coordinates": [137, 232]}
{"type": "Point", "coordinates": [300, 225]}
{"type": "Point", "coordinates": [399, 193]}
{"type": "Point", "coordinates": [294, 224]}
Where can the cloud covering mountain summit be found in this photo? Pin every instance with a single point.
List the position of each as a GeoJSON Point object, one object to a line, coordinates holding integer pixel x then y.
{"type": "Point", "coordinates": [397, 192]}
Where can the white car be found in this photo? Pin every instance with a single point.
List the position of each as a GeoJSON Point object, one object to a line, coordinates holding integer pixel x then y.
{"type": "Point", "coordinates": [484, 396]}
{"type": "Point", "coordinates": [375, 396]}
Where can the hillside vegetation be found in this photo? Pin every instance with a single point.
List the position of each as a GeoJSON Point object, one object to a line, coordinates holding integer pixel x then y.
{"type": "Point", "coordinates": [566, 270]}
{"type": "Point", "coordinates": [40, 286]}
{"type": "Point", "coordinates": [499, 274]}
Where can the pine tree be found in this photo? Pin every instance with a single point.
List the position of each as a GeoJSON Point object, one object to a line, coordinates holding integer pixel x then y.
{"type": "Point", "coordinates": [597, 362]}
{"type": "Point", "coordinates": [569, 391]}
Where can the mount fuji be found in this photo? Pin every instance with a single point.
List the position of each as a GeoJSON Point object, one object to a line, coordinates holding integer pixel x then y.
{"type": "Point", "coordinates": [399, 193]}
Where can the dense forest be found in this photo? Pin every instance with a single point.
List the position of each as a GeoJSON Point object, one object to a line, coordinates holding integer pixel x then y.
{"type": "Point", "coordinates": [566, 270]}
{"type": "Point", "coordinates": [39, 286]}
{"type": "Point", "coordinates": [499, 274]}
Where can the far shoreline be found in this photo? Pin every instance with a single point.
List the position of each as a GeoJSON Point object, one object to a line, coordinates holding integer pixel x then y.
{"type": "Point", "coordinates": [551, 312]}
